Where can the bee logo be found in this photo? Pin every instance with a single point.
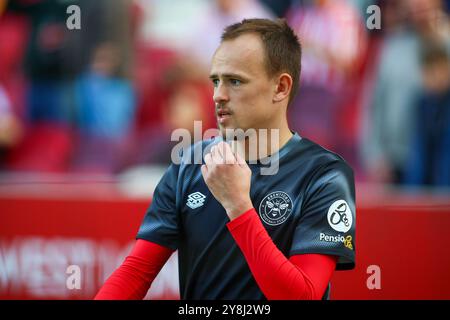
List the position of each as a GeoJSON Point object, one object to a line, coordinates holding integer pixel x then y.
{"type": "Point", "coordinates": [275, 208]}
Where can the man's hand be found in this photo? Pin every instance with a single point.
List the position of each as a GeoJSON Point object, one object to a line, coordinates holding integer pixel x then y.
{"type": "Point", "coordinates": [228, 177]}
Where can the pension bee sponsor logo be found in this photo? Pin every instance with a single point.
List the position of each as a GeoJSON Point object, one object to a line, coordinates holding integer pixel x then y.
{"type": "Point", "coordinates": [340, 216]}
{"type": "Point", "coordinates": [347, 241]}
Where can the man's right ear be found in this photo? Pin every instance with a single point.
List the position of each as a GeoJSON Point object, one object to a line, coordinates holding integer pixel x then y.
{"type": "Point", "coordinates": [283, 87]}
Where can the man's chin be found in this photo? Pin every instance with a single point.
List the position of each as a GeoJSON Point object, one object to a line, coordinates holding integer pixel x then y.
{"type": "Point", "coordinates": [223, 131]}
{"type": "Point", "coordinates": [232, 133]}
{"type": "Point", "coordinates": [224, 128]}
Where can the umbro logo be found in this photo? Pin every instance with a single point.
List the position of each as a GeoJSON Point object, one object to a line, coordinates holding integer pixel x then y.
{"type": "Point", "coordinates": [195, 200]}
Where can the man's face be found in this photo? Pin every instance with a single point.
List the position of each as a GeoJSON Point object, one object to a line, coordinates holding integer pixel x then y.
{"type": "Point", "coordinates": [243, 92]}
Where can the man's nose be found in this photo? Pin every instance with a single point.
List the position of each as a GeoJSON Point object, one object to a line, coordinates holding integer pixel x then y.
{"type": "Point", "coordinates": [220, 94]}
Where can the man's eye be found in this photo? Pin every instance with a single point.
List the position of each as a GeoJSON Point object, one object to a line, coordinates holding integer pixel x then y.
{"type": "Point", "coordinates": [235, 82]}
{"type": "Point", "coordinates": [215, 82]}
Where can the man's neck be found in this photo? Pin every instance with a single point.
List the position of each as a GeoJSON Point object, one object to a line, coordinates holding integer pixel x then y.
{"type": "Point", "coordinates": [263, 144]}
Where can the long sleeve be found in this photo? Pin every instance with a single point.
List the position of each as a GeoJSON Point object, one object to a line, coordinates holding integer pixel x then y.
{"type": "Point", "coordinates": [303, 276]}
{"type": "Point", "coordinates": [134, 277]}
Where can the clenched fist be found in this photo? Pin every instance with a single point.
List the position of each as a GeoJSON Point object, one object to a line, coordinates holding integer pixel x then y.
{"type": "Point", "coordinates": [228, 178]}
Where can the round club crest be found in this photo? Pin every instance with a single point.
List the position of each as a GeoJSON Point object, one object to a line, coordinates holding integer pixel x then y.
{"type": "Point", "coordinates": [275, 208]}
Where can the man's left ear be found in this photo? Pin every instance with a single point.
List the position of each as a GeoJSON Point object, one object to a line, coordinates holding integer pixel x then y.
{"type": "Point", "coordinates": [283, 87]}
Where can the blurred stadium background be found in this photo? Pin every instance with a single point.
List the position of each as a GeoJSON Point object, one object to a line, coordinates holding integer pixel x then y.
{"type": "Point", "coordinates": [86, 117]}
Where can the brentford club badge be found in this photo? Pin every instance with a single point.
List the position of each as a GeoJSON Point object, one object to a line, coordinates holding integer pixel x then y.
{"type": "Point", "coordinates": [275, 208]}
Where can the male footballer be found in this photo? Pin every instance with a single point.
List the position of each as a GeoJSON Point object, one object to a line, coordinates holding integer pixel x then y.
{"type": "Point", "coordinates": [242, 234]}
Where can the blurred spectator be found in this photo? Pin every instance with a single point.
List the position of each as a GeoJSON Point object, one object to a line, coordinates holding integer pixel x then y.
{"type": "Point", "coordinates": [279, 7]}
{"type": "Point", "coordinates": [152, 65]}
{"type": "Point", "coordinates": [205, 34]}
{"type": "Point", "coordinates": [55, 58]}
{"type": "Point", "coordinates": [334, 40]}
{"type": "Point", "coordinates": [106, 103]}
{"type": "Point", "coordinates": [47, 142]}
{"type": "Point", "coordinates": [10, 126]}
{"type": "Point", "coordinates": [47, 64]}
{"type": "Point", "coordinates": [194, 27]}
{"type": "Point", "coordinates": [429, 157]}
{"type": "Point", "coordinates": [3, 4]}
{"type": "Point", "coordinates": [189, 100]}
{"type": "Point", "coordinates": [106, 112]}
{"type": "Point", "coordinates": [13, 34]}
{"type": "Point", "coordinates": [167, 23]}
{"type": "Point", "coordinates": [389, 118]}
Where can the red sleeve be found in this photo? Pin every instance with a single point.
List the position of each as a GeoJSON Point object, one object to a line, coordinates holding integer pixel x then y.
{"type": "Point", "coordinates": [303, 276]}
{"type": "Point", "coordinates": [133, 278]}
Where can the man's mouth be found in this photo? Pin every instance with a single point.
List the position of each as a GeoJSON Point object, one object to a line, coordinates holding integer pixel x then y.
{"type": "Point", "coordinates": [222, 116]}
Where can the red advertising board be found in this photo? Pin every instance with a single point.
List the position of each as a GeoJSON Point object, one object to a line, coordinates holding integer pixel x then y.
{"type": "Point", "coordinates": [402, 248]}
